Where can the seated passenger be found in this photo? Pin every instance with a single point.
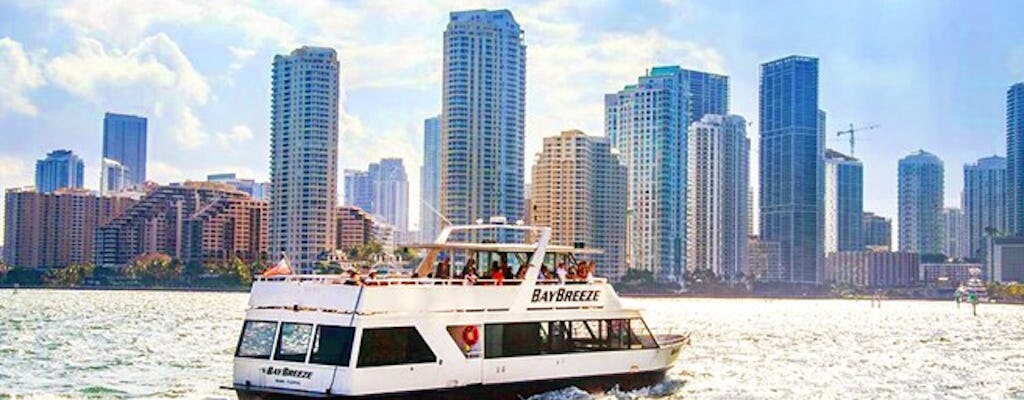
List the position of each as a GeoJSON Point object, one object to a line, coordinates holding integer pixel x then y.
{"type": "Point", "coordinates": [521, 274]}
{"type": "Point", "coordinates": [444, 270]}
{"type": "Point", "coordinates": [561, 272]}
{"type": "Point", "coordinates": [496, 273]}
{"type": "Point", "coordinates": [470, 265]}
{"type": "Point", "coordinates": [470, 274]}
{"type": "Point", "coordinates": [544, 273]}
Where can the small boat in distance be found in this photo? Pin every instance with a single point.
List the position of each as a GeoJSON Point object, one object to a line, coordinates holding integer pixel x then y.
{"type": "Point", "coordinates": [475, 320]}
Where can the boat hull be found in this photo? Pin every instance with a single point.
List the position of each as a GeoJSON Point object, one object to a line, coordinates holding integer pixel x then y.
{"type": "Point", "coordinates": [516, 390]}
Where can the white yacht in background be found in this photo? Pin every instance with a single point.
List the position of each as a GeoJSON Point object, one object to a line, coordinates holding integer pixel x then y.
{"type": "Point", "coordinates": [446, 333]}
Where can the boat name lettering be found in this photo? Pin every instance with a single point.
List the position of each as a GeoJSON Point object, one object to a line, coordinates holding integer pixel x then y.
{"type": "Point", "coordinates": [564, 295]}
{"type": "Point", "coordinates": [287, 372]}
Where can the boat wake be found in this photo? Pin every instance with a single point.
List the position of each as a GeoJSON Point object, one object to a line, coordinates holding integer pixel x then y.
{"type": "Point", "coordinates": [666, 388]}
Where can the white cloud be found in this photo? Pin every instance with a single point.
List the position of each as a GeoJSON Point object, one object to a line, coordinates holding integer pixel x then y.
{"type": "Point", "coordinates": [155, 75]}
{"type": "Point", "coordinates": [127, 21]}
{"type": "Point", "coordinates": [164, 173]}
{"type": "Point", "coordinates": [18, 76]}
{"type": "Point", "coordinates": [239, 56]}
{"type": "Point", "coordinates": [238, 134]}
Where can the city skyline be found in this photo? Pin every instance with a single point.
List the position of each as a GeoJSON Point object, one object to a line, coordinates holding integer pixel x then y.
{"type": "Point", "coordinates": [209, 83]}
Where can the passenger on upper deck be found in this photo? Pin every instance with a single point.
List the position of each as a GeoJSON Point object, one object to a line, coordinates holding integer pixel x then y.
{"type": "Point", "coordinates": [561, 272]}
{"type": "Point", "coordinates": [444, 269]}
{"type": "Point", "coordinates": [496, 274]}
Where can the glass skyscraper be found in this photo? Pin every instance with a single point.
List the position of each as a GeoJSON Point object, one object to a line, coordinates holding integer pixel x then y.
{"type": "Point", "coordinates": [984, 203]}
{"type": "Point", "coordinates": [921, 222]}
{"type": "Point", "coordinates": [1015, 158]}
{"type": "Point", "coordinates": [844, 202]}
{"type": "Point", "coordinates": [303, 155]}
{"type": "Point", "coordinates": [60, 169]}
{"type": "Point", "coordinates": [430, 180]}
{"type": "Point", "coordinates": [792, 173]}
{"type": "Point", "coordinates": [648, 122]}
{"type": "Point", "coordinates": [124, 141]}
{"type": "Point", "coordinates": [482, 119]}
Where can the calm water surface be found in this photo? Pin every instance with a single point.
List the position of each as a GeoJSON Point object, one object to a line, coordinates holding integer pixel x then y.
{"type": "Point", "coordinates": [179, 345]}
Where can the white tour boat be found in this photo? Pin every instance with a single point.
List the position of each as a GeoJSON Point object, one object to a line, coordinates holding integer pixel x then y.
{"type": "Point", "coordinates": [442, 333]}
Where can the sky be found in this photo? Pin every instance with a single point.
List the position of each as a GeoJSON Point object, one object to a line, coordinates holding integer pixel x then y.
{"type": "Point", "coordinates": [932, 74]}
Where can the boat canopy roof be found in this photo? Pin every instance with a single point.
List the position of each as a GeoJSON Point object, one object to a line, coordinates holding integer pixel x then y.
{"type": "Point", "coordinates": [504, 247]}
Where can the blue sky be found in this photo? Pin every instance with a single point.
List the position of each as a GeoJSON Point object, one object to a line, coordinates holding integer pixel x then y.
{"type": "Point", "coordinates": [933, 74]}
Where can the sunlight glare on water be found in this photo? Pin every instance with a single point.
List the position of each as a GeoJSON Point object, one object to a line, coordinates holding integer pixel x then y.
{"type": "Point", "coordinates": [179, 345]}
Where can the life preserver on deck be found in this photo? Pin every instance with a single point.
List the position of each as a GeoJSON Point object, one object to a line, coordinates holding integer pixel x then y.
{"type": "Point", "coordinates": [470, 335]}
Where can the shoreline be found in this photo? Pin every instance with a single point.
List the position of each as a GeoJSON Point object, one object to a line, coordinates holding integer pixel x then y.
{"type": "Point", "coordinates": [623, 295]}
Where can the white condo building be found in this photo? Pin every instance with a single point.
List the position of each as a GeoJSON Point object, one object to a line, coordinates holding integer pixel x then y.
{"type": "Point", "coordinates": [717, 203]}
{"type": "Point", "coordinates": [113, 177]}
{"type": "Point", "coordinates": [391, 194]}
{"type": "Point", "coordinates": [844, 202]}
{"type": "Point", "coordinates": [483, 118]}
{"type": "Point", "coordinates": [430, 180]}
{"type": "Point", "coordinates": [304, 154]}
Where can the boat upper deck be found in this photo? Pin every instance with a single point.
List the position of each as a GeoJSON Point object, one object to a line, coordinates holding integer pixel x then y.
{"type": "Point", "coordinates": [439, 286]}
{"type": "Point", "coordinates": [341, 294]}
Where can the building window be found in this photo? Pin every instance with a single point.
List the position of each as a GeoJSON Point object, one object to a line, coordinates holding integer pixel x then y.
{"type": "Point", "coordinates": [393, 346]}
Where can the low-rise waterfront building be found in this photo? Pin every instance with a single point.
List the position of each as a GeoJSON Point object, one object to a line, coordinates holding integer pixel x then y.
{"type": "Point", "coordinates": [946, 274]}
{"type": "Point", "coordinates": [874, 269]}
{"type": "Point", "coordinates": [763, 259]}
{"type": "Point", "coordinates": [1006, 263]}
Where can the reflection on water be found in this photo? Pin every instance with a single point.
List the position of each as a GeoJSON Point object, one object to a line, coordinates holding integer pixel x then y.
{"type": "Point", "coordinates": [179, 345]}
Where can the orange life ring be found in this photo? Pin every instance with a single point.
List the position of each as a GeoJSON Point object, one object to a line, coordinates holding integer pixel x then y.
{"type": "Point", "coordinates": [470, 335]}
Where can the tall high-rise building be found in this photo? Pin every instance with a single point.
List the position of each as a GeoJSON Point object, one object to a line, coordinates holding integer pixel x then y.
{"type": "Point", "coordinates": [430, 180]}
{"type": "Point", "coordinates": [53, 230]}
{"type": "Point", "coordinates": [877, 231]}
{"type": "Point", "coordinates": [920, 203]}
{"type": "Point", "coordinates": [124, 141]}
{"type": "Point", "coordinates": [647, 122]}
{"type": "Point", "coordinates": [985, 203]}
{"type": "Point", "coordinates": [391, 194]}
{"type": "Point", "coordinates": [359, 187]}
{"type": "Point", "coordinates": [1015, 158]}
{"type": "Point", "coordinates": [60, 169]}
{"type": "Point", "coordinates": [113, 176]}
{"type": "Point", "coordinates": [482, 118]}
{"type": "Point", "coordinates": [844, 202]}
{"type": "Point", "coordinates": [792, 171]}
{"type": "Point", "coordinates": [954, 237]}
{"type": "Point", "coordinates": [717, 183]}
{"type": "Point", "coordinates": [304, 154]}
{"type": "Point", "coordinates": [578, 189]}
{"type": "Point", "coordinates": [381, 190]}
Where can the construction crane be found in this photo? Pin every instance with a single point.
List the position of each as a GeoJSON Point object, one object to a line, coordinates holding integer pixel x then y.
{"type": "Point", "coordinates": [852, 131]}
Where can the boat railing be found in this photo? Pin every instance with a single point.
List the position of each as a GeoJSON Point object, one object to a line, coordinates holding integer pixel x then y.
{"type": "Point", "coordinates": [404, 281]}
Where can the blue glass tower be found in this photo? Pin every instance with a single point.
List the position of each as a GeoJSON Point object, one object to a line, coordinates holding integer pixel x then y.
{"type": "Point", "coordinates": [60, 169]}
{"type": "Point", "coordinates": [648, 122]}
{"type": "Point", "coordinates": [124, 141]}
{"type": "Point", "coordinates": [792, 173]}
{"type": "Point", "coordinates": [1015, 159]}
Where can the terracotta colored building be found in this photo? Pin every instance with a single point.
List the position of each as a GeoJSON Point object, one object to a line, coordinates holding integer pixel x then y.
{"type": "Point", "coordinates": [52, 230]}
{"type": "Point", "coordinates": [203, 222]}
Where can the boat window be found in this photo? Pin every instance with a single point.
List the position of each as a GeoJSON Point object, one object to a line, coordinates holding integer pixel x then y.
{"type": "Point", "coordinates": [560, 337]}
{"type": "Point", "coordinates": [293, 341]}
{"type": "Point", "coordinates": [257, 339]}
{"type": "Point", "coordinates": [514, 340]}
{"type": "Point", "coordinates": [642, 334]}
{"type": "Point", "coordinates": [332, 345]}
{"type": "Point", "coordinates": [393, 346]}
